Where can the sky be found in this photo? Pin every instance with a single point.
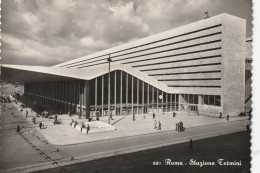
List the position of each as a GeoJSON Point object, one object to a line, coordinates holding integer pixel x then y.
{"type": "Point", "coordinates": [49, 32]}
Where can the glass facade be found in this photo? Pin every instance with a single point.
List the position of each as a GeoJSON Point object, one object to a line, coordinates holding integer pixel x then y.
{"type": "Point", "coordinates": [128, 95]}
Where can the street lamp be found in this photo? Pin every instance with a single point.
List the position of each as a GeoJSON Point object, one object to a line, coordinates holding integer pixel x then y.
{"type": "Point", "coordinates": [161, 98]}
{"type": "Point", "coordinates": [109, 60]}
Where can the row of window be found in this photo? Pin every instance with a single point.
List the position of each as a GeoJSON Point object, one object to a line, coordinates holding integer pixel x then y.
{"type": "Point", "coordinates": [71, 65]}
{"type": "Point", "coordinates": [213, 100]}
{"type": "Point", "coordinates": [194, 72]}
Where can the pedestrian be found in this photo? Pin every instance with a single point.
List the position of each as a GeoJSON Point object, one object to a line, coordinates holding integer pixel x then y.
{"type": "Point", "coordinates": [181, 124]}
{"type": "Point", "coordinates": [111, 115]}
{"type": "Point", "coordinates": [220, 115]}
{"type": "Point", "coordinates": [72, 121]}
{"type": "Point", "coordinates": [155, 124]}
{"type": "Point", "coordinates": [191, 144]}
{"type": "Point", "coordinates": [82, 126]}
{"type": "Point", "coordinates": [227, 117]}
{"type": "Point", "coordinates": [153, 115]}
{"type": "Point", "coordinates": [40, 125]}
{"type": "Point", "coordinates": [133, 116]}
{"type": "Point", "coordinates": [159, 126]}
{"type": "Point", "coordinates": [26, 113]}
{"type": "Point", "coordinates": [88, 128]}
{"type": "Point", "coordinates": [18, 129]}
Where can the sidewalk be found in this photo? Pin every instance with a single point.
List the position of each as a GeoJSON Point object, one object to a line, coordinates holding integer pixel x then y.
{"type": "Point", "coordinates": [64, 134]}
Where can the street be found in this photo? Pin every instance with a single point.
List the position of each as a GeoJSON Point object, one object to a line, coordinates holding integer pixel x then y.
{"type": "Point", "coordinates": [229, 147]}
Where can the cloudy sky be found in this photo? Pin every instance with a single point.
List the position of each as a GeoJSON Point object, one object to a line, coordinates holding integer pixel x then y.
{"type": "Point", "coordinates": [48, 32]}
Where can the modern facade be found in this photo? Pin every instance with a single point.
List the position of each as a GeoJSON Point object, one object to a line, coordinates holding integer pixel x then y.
{"type": "Point", "coordinates": [200, 67]}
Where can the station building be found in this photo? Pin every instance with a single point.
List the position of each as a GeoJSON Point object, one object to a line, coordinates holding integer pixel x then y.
{"type": "Point", "coordinates": [203, 67]}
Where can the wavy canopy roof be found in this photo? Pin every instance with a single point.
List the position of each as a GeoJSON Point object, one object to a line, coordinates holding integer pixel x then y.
{"type": "Point", "coordinates": [24, 73]}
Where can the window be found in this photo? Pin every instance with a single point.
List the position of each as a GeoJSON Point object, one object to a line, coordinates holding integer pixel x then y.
{"type": "Point", "coordinates": [191, 98]}
{"type": "Point", "coordinates": [196, 99]}
{"type": "Point", "coordinates": [211, 100]}
{"type": "Point", "coordinates": [206, 100]}
{"type": "Point", "coordinates": [186, 98]}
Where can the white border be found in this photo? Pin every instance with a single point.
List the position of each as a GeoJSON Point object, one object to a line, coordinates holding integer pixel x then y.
{"type": "Point", "coordinates": [255, 141]}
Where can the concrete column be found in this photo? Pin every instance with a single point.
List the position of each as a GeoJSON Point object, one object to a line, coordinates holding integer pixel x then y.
{"type": "Point", "coordinates": [148, 102]}
{"type": "Point", "coordinates": [166, 102]}
{"type": "Point", "coordinates": [200, 100]}
{"type": "Point", "coordinates": [157, 98]}
{"type": "Point", "coordinates": [121, 91]}
{"type": "Point", "coordinates": [115, 93]}
{"type": "Point", "coordinates": [80, 98]}
{"type": "Point", "coordinates": [137, 95]}
{"type": "Point", "coordinates": [126, 94]}
{"type": "Point", "coordinates": [162, 100]}
{"type": "Point", "coordinates": [75, 95]}
{"type": "Point", "coordinates": [179, 101]}
{"type": "Point", "coordinates": [96, 96]}
{"type": "Point", "coordinates": [171, 103]}
{"type": "Point", "coordinates": [132, 94]}
{"type": "Point", "coordinates": [142, 97]}
{"type": "Point", "coordinates": [87, 98]}
{"type": "Point", "coordinates": [102, 100]}
{"type": "Point", "coordinates": [70, 97]}
{"type": "Point", "coordinates": [153, 99]}
{"type": "Point", "coordinates": [65, 96]}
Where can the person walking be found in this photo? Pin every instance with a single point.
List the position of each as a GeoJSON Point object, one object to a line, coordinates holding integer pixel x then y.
{"type": "Point", "coordinates": [227, 117]}
{"type": "Point", "coordinates": [155, 124]}
{"type": "Point", "coordinates": [159, 126]}
{"type": "Point", "coordinates": [18, 129]}
{"type": "Point", "coordinates": [40, 125]}
{"type": "Point", "coordinates": [133, 116]}
{"type": "Point", "coordinates": [220, 115]}
{"type": "Point", "coordinates": [153, 115]}
{"type": "Point", "coordinates": [26, 113]}
{"type": "Point", "coordinates": [88, 128]}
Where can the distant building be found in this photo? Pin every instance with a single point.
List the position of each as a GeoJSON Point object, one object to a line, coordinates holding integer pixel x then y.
{"type": "Point", "coordinates": [201, 67]}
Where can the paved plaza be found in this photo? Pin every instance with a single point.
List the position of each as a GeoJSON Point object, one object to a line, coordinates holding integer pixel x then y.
{"type": "Point", "coordinates": [64, 134]}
